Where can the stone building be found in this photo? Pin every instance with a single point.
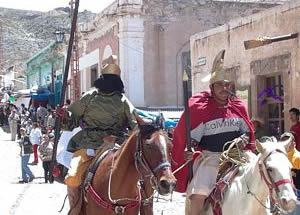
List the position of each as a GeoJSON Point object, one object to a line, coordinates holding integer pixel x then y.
{"type": "Point", "coordinates": [267, 77]}
{"type": "Point", "coordinates": [152, 40]}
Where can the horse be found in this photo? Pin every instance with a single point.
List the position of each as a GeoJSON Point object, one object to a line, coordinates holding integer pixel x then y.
{"type": "Point", "coordinates": [145, 156]}
{"type": "Point", "coordinates": [266, 177]}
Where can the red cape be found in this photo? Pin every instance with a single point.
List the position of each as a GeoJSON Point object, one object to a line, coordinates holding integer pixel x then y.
{"type": "Point", "coordinates": [199, 113]}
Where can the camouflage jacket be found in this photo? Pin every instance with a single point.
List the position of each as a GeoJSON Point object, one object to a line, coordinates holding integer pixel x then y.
{"type": "Point", "coordinates": [99, 115]}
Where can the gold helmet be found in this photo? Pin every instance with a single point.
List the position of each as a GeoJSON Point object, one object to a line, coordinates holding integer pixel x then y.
{"type": "Point", "coordinates": [218, 72]}
{"type": "Point", "coordinates": [110, 66]}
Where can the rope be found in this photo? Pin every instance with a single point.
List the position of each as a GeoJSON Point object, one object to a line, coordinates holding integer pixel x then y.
{"type": "Point", "coordinates": [115, 201]}
{"type": "Point", "coordinates": [181, 167]}
{"type": "Point", "coordinates": [62, 207]}
{"type": "Point", "coordinates": [186, 163]}
{"type": "Point", "coordinates": [234, 154]}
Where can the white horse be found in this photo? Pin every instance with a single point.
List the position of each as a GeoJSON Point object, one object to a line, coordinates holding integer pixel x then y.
{"type": "Point", "coordinates": [267, 175]}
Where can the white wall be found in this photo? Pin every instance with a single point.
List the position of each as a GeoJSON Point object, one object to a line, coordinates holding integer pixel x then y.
{"type": "Point", "coordinates": [131, 40]}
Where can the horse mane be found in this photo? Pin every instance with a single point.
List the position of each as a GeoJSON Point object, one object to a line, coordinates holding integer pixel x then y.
{"type": "Point", "coordinates": [148, 129]}
{"type": "Point", "coordinates": [249, 167]}
{"type": "Point", "coordinates": [144, 130]}
{"type": "Point", "coordinates": [253, 159]}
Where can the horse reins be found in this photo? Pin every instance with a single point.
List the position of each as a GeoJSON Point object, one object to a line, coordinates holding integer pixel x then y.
{"type": "Point", "coordinates": [140, 160]}
{"type": "Point", "coordinates": [270, 184]}
{"type": "Point", "coordinates": [269, 181]}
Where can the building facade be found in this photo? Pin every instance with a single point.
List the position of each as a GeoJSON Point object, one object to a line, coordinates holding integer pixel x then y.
{"type": "Point", "coordinates": [267, 77]}
{"type": "Point", "coordinates": [45, 69]}
{"type": "Point", "coordinates": [152, 41]}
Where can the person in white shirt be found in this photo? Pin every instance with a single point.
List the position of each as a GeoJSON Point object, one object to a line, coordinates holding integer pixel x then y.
{"type": "Point", "coordinates": [35, 139]}
{"type": "Point", "coordinates": [28, 127]}
{"type": "Point", "coordinates": [41, 114]}
{"type": "Point", "coordinates": [13, 123]}
{"type": "Point", "coordinates": [51, 120]}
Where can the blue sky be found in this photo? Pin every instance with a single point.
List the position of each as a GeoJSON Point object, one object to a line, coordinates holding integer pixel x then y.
{"type": "Point", "coordinates": [45, 5]}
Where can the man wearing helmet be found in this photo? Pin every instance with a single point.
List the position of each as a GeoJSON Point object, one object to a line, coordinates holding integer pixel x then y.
{"type": "Point", "coordinates": [105, 116]}
{"type": "Point", "coordinates": [217, 117]}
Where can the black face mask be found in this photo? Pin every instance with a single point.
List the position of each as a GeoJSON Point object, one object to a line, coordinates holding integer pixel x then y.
{"type": "Point", "coordinates": [109, 83]}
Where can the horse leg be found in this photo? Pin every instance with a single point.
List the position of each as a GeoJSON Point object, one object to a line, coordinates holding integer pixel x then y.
{"type": "Point", "coordinates": [75, 200]}
{"type": "Point", "coordinates": [146, 191]}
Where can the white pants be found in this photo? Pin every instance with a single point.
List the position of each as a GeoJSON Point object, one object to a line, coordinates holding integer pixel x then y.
{"type": "Point", "coordinates": [205, 170]}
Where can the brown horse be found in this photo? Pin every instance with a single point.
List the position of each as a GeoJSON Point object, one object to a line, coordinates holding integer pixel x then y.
{"type": "Point", "coordinates": [115, 188]}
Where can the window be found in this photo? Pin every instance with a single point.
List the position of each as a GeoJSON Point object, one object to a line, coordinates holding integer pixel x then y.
{"type": "Point", "coordinates": [94, 75]}
{"type": "Point", "coordinates": [272, 98]}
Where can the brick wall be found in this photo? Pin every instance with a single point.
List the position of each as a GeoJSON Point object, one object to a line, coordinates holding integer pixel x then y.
{"type": "Point", "coordinates": [109, 38]}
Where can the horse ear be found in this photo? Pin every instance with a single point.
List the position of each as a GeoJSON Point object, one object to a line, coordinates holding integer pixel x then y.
{"type": "Point", "coordinates": [260, 147]}
{"type": "Point", "coordinates": [139, 119]}
{"type": "Point", "coordinates": [287, 140]}
{"type": "Point", "coordinates": [162, 120]}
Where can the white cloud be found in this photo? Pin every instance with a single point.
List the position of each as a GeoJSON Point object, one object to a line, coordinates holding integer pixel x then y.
{"type": "Point", "coordinates": [95, 6]}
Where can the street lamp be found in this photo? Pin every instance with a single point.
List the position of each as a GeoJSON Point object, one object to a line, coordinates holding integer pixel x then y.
{"type": "Point", "coordinates": [59, 36]}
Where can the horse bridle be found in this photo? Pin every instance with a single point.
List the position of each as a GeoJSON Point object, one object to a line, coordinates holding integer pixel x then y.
{"type": "Point", "coordinates": [269, 181]}
{"type": "Point", "coordinates": [142, 161]}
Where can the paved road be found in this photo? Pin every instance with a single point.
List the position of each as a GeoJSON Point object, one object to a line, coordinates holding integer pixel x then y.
{"type": "Point", "coordinates": [38, 198]}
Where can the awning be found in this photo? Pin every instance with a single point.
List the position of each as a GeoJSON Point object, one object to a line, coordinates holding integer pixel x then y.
{"type": "Point", "coordinates": [146, 115]}
{"type": "Point", "coordinates": [41, 94]}
{"type": "Point", "coordinates": [24, 92]}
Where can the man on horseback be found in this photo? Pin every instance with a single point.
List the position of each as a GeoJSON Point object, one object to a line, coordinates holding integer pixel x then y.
{"type": "Point", "coordinates": [216, 118]}
{"type": "Point", "coordinates": [105, 116]}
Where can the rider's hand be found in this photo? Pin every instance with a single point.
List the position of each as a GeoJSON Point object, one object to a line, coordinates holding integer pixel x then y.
{"type": "Point", "coordinates": [109, 139]}
{"type": "Point", "coordinates": [188, 155]}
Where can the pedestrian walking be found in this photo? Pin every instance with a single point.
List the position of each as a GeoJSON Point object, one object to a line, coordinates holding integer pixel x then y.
{"type": "Point", "coordinates": [2, 117]}
{"type": "Point", "coordinates": [35, 138]}
{"type": "Point", "coordinates": [32, 111]}
{"type": "Point", "coordinates": [26, 150]}
{"type": "Point", "coordinates": [51, 120]}
{"type": "Point", "coordinates": [46, 150]}
{"type": "Point", "coordinates": [41, 114]}
{"type": "Point", "coordinates": [28, 126]}
{"type": "Point", "coordinates": [7, 113]}
{"type": "Point", "coordinates": [13, 120]}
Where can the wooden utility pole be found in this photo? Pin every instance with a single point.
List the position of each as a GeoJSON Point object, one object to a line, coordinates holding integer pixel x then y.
{"type": "Point", "coordinates": [187, 120]}
{"type": "Point", "coordinates": [65, 80]}
{"type": "Point", "coordinates": [75, 74]}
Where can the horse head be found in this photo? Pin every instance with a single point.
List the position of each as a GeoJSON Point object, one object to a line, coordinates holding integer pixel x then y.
{"type": "Point", "coordinates": [275, 169]}
{"type": "Point", "coordinates": [153, 157]}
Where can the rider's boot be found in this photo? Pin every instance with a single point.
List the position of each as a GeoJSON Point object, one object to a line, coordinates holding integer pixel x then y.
{"type": "Point", "coordinates": [79, 165]}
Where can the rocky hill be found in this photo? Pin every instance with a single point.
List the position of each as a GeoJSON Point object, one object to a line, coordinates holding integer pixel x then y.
{"type": "Point", "coordinates": [26, 32]}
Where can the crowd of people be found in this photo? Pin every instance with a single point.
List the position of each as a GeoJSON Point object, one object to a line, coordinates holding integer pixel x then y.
{"type": "Point", "coordinates": [33, 129]}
